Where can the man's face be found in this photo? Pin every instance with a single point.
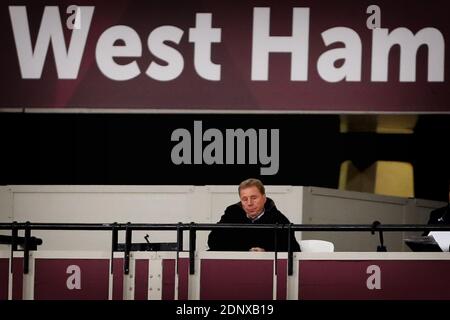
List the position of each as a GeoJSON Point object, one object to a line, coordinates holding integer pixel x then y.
{"type": "Point", "coordinates": [252, 201]}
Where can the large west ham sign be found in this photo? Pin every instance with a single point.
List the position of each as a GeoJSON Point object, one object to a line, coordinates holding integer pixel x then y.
{"type": "Point", "coordinates": [334, 56]}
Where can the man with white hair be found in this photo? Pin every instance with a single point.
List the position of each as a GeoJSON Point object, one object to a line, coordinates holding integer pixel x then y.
{"type": "Point", "coordinates": [254, 208]}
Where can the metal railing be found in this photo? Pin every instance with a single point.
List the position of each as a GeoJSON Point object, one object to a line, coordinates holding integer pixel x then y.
{"type": "Point", "coordinates": [30, 243]}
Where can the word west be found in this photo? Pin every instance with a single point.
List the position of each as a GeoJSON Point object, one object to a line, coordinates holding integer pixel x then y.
{"type": "Point", "coordinates": [220, 147]}
{"type": "Point", "coordinates": [164, 43]}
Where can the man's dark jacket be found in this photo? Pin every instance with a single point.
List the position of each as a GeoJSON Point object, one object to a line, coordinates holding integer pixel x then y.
{"type": "Point", "coordinates": [245, 239]}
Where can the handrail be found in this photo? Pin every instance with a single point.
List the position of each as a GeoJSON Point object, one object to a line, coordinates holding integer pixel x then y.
{"type": "Point", "coordinates": [194, 227]}
{"type": "Point", "coordinates": [210, 226]}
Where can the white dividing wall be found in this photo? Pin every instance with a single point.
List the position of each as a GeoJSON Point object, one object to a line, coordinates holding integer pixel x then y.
{"type": "Point", "coordinates": [6, 210]}
{"type": "Point", "coordinates": [101, 204]}
{"type": "Point", "coordinates": [5, 204]}
{"type": "Point", "coordinates": [330, 206]}
{"type": "Point", "coordinates": [201, 204]}
{"type": "Point", "coordinates": [135, 204]}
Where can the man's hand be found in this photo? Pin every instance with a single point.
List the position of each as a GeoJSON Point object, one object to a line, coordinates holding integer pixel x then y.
{"type": "Point", "coordinates": [257, 249]}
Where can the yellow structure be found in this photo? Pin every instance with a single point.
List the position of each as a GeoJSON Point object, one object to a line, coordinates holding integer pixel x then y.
{"type": "Point", "coordinates": [392, 178]}
{"type": "Point", "coordinates": [381, 123]}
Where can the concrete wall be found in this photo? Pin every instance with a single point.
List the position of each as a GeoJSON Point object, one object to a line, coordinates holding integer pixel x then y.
{"type": "Point", "coordinates": [136, 204]}
{"type": "Point", "coordinates": [330, 206]}
{"type": "Point", "coordinates": [201, 204]}
{"type": "Point", "coordinates": [6, 209]}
